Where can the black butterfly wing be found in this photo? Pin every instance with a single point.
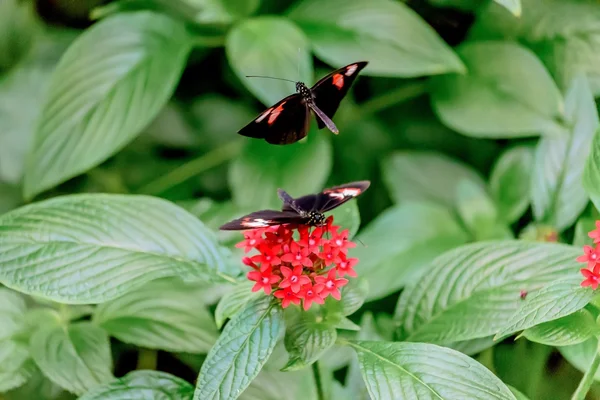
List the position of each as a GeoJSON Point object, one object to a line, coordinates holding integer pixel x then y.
{"type": "Point", "coordinates": [262, 219]}
{"type": "Point", "coordinates": [285, 122]}
{"type": "Point", "coordinates": [330, 198]}
{"type": "Point", "coordinates": [330, 90]}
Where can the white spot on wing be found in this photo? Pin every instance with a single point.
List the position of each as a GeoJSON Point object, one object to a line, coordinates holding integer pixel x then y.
{"type": "Point", "coordinates": [350, 69]}
{"type": "Point", "coordinates": [263, 115]}
{"type": "Point", "coordinates": [256, 223]}
{"type": "Point", "coordinates": [343, 193]}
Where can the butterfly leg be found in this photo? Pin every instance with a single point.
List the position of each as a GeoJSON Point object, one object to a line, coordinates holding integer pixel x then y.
{"type": "Point", "coordinates": [326, 120]}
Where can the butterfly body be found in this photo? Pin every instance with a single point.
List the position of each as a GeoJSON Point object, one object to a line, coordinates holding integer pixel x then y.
{"type": "Point", "coordinates": [306, 210]}
{"type": "Point", "coordinates": [289, 120]}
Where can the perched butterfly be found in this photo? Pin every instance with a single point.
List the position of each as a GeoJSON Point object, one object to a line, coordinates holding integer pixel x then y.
{"type": "Point", "coordinates": [305, 210]}
{"type": "Point", "coordinates": [289, 120]}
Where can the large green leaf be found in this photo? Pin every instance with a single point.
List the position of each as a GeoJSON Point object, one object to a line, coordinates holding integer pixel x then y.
{"type": "Point", "coordinates": [151, 385]}
{"type": "Point", "coordinates": [301, 168]}
{"type": "Point", "coordinates": [558, 195]}
{"type": "Point", "coordinates": [173, 321]}
{"type": "Point", "coordinates": [401, 241]}
{"type": "Point", "coordinates": [15, 365]}
{"type": "Point", "coordinates": [510, 182]}
{"type": "Point", "coordinates": [425, 371]}
{"type": "Point", "coordinates": [506, 93]}
{"type": "Point", "coordinates": [556, 300]}
{"type": "Point", "coordinates": [573, 329]}
{"type": "Point", "coordinates": [234, 301]}
{"type": "Point", "coordinates": [425, 176]}
{"type": "Point", "coordinates": [391, 36]}
{"type": "Point", "coordinates": [107, 87]}
{"type": "Point", "coordinates": [478, 288]}
{"type": "Point", "coordinates": [269, 46]}
{"type": "Point", "coordinates": [307, 337]}
{"type": "Point", "coordinates": [91, 248]}
{"type": "Point", "coordinates": [240, 352]}
{"type": "Point", "coordinates": [76, 357]}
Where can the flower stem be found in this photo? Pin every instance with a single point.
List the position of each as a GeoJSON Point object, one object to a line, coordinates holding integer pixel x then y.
{"type": "Point", "coordinates": [318, 382]}
{"type": "Point", "coordinates": [192, 168]}
{"type": "Point", "coordinates": [588, 377]}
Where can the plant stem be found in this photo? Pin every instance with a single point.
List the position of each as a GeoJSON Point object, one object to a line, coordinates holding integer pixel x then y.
{"type": "Point", "coordinates": [401, 94]}
{"type": "Point", "coordinates": [192, 168]}
{"type": "Point", "coordinates": [318, 382]}
{"type": "Point", "coordinates": [147, 359]}
{"type": "Point", "coordinates": [588, 377]}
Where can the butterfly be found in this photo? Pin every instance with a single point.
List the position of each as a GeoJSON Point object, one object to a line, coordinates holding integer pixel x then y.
{"type": "Point", "coordinates": [306, 210]}
{"type": "Point", "coordinates": [289, 120]}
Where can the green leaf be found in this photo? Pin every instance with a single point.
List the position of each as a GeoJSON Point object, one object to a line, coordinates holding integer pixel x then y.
{"type": "Point", "coordinates": [240, 352]}
{"type": "Point", "coordinates": [583, 226]}
{"type": "Point", "coordinates": [580, 355]}
{"type": "Point", "coordinates": [479, 287]}
{"type": "Point", "coordinates": [425, 371]}
{"type": "Point", "coordinates": [254, 41]}
{"type": "Point", "coordinates": [510, 182]}
{"type": "Point", "coordinates": [76, 357]}
{"type": "Point", "coordinates": [425, 176]}
{"type": "Point", "coordinates": [234, 301]}
{"type": "Point", "coordinates": [91, 248]}
{"type": "Point", "coordinates": [307, 337]}
{"type": "Point", "coordinates": [558, 195]}
{"type": "Point", "coordinates": [19, 27]}
{"type": "Point", "coordinates": [85, 121]}
{"type": "Point", "coordinates": [348, 217]}
{"type": "Point", "coordinates": [276, 385]}
{"type": "Point", "coordinates": [572, 329]}
{"type": "Point", "coordinates": [173, 321]}
{"type": "Point", "coordinates": [353, 296]}
{"type": "Point", "coordinates": [12, 308]}
{"type": "Point", "coordinates": [518, 395]}
{"type": "Point", "coordinates": [152, 385]}
{"type": "Point", "coordinates": [556, 300]}
{"type": "Point", "coordinates": [507, 93]}
{"type": "Point", "coordinates": [15, 365]}
{"type": "Point", "coordinates": [591, 172]}
{"type": "Point", "coordinates": [301, 168]}
{"type": "Point", "coordinates": [514, 6]}
{"type": "Point", "coordinates": [478, 212]}
{"type": "Point", "coordinates": [10, 197]}
{"type": "Point", "coordinates": [401, 241]}
{"type": "Point", "coordinates": [390, 35]}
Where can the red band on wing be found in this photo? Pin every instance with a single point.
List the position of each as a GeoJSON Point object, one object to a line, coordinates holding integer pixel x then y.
{"type": "Point", "coordinates": [338, 81]}
{"type": "Point", "coordinates": [275, 113]}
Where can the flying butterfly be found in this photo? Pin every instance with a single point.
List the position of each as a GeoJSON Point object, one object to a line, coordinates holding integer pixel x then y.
{"type": "Point", "coordinates": [289, 120]}
{"type": "Point", "coordinates": [306, 210]}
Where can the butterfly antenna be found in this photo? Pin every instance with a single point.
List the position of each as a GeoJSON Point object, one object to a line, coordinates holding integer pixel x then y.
{"type": "Point", "coordinates": [361, 242]}
{"type": "Point", "coordinates": [269, 77]}
{"type": "Point", "coordinates": [299, 76]}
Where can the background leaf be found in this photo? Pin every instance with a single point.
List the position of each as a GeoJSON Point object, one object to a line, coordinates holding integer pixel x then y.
{"type": "Point", "coordinates": [262, 168]}
{"type": "Point", "coordinates": [558, 196]}
{"type": "Point", "coordinates": [307, 338]}
{"type": "Point", "coordinates": [394, 40]}
{"type": "Point", "coordinates": [573, 329]}
{"type": "Point", "coordinates": [240, 352]}
{"type": "Point", "coordinates": [425, 371]}
{"type": "Point", "coordinates": [81, 124]}
{"type": "Point", "coordinates": [514, 6]}
{"type": "Point", "coordinates": [491, 101]}
{"type": "Point", "coordinates": [153, 385]}
{"type": "Point", "coordinates": [478, 288]}
{"type": "Point", "coordinates": [397, 245]}
{"type": "Point", "coordinates": [234, 301]}
{"type": "Point", "coordinates": [93, 248]}
{"type": "Point", "coordinates": [173, 321]}
{"type": "Point", "coordinates": [275, 39]}
{"type": "Point", "coordinates": [76, 357]}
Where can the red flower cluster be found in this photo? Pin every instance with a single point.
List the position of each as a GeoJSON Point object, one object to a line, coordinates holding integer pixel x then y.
{"type": "Point", "coordinates": [300, 264]}
{"type": "Point", "coordinates": [591, 256]}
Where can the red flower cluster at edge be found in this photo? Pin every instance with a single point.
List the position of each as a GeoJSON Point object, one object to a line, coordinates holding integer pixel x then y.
{"type": "Point", "coordinates": [299, 263]}
{"type": "Point", "coordinates": [591, 257]}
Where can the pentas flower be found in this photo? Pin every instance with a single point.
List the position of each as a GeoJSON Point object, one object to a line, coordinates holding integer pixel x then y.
{"type": "Point", "coordinates": [299, 264]}
{"type": "Point", "coordinates": [591, 257]}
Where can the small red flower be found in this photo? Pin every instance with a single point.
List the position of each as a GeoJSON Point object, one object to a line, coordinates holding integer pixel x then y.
{"type": "Point", "coordinates": [268, 255]}
{"type": "Point", "coordinates": [310, 294]}
{"type": "Point", "coordinates": [592, 277]}
{"type": "Point", "coordinates": [590, 256]}
{"type": "Point", "coordinates": [293, 278]}
{"type": "Point", "coordinates": [287, 297]}
{"type": "Point", "coordinates": [297, 256]}
{"type": "Point", "coordinates": [280, 236]}
{"type": "Point", "coordinates": [341, 241]}
{"type": "Point", "coordinates": [264, 279]}
{"type": "Point", "coordinates": [345, 266]}
{"type": "Point", "coordinates": [253, 239]}
{"type": "Point", "coordinates": [331, 285]}
{"type": "Point", "coordinates": [595, 234]}
{"type": "Point", "coordinates": [311, 240]}
{"type": "Point", "coordinates": [330, 255]}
